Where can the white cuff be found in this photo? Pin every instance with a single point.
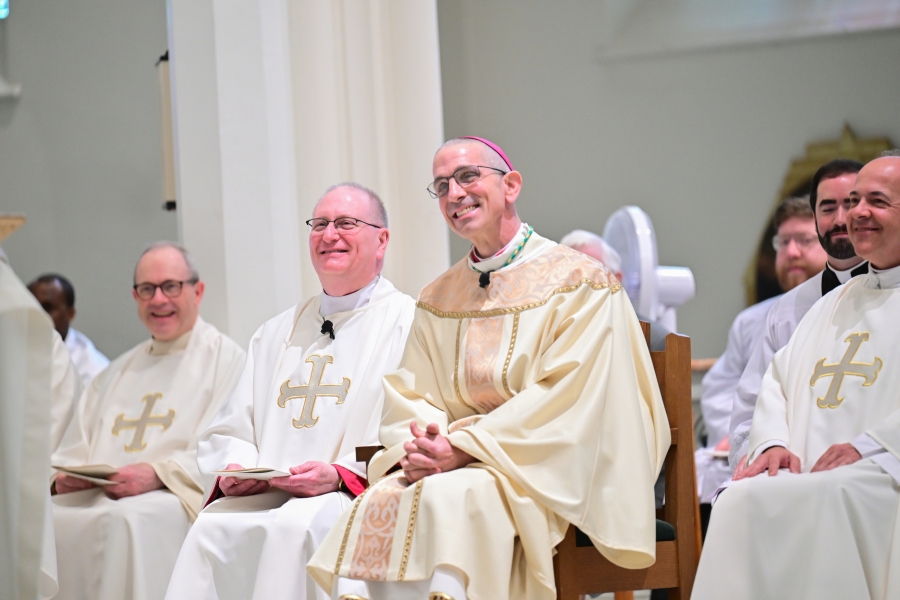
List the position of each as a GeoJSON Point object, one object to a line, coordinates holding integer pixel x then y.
{"type": "Point", "coordinates": [866, 445]}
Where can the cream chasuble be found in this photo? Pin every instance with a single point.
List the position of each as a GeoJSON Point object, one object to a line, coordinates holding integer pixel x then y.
{"type": "Point", "coordinates": [27, 552]}
{"type": "Point", "coordinates": [149, 406]}
{"type": "Point", "coordinates": [831, 534]}
{"type": "Point", "coordinates": [545, 378]}
{"type": "Point", "coordinates": [301, 397]}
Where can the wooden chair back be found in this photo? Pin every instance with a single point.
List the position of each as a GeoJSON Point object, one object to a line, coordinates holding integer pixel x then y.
{"type": "Point", "coordinates": [583, 570]}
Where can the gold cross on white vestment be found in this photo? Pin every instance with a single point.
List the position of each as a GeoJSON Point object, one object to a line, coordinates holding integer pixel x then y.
{"type": "Point", "coordinates": [311, 391]}
{"type": "Point", "coordinates": [140, 425]}
{"type": "Point", "coordinates": [838, 371]}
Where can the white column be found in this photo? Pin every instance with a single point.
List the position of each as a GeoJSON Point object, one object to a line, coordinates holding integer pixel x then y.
{"type": "Point", "coordinates": [273, 101]}
{"type": "Point", "coordinates": [367, 92]}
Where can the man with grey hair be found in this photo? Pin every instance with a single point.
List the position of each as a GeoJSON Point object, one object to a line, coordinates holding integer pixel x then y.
{"type": "Point", "coordinates": [310, 393]}
{"type": "Point", "coordinates": [596, 247]}
{"type": "Point", "coordinates": [127, 481]}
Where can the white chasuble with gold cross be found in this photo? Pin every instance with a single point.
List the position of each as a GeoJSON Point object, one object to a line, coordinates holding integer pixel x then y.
{"type": "Point", "coordinates": [827, 534]}
{"type": "Point", "coordinates": [544, 377]}
{"type": "Point", "coordinates": [149, 406]}
{"type": "Point", "coordinates": [302, 396]}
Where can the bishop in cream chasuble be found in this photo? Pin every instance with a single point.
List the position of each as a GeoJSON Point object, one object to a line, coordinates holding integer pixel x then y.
{"type": "Point", "coordinates": [544, 377]}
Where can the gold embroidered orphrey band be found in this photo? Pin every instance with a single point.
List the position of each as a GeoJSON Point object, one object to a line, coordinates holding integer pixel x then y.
{"type": "Point", "coordinates": [496, 312]}
{"type": "Point", "coordinates": [407, 542]}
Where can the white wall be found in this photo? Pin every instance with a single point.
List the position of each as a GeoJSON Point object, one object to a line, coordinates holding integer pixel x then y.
{"type": "Point", "coordinates": [700, 140]}
{"type": "Point", "coordinates": [80, 151]}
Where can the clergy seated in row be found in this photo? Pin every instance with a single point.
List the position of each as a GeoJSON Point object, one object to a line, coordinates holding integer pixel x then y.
{"type": "Point", "coordinates": [829, 199]}
{"type": "Point", "coordinates": [143, 415]}
{"type": "Point", "coordinates": [310, 393]}
{"type": "Point", "coordinates": [798, 257]}
{"type": "Point", "coordinates": [57, 297]}
{"type": "Point", "coordinates": [525, 401]}
{"type": "Point", "coordinates": [816, 516]}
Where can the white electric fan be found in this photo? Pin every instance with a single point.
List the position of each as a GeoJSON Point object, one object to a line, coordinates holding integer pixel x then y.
{"type": "Point", "coordinates": [654, 291]}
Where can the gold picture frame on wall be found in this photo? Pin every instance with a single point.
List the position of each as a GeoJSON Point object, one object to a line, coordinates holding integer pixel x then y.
{"type": "Point", "coordinates": [759, 280]}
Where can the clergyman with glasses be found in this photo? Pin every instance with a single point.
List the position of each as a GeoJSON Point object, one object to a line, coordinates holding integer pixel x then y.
{"type": "Point", "coordinates": [119, 531]}
{"type": "Point", "coordinates": [310, 393]}
{"type": "Point", "coordinates": [526, 400]}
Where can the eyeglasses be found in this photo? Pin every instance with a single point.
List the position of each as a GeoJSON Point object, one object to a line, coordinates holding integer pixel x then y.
{"type": "Point", "coordinates": [805, 242]}
{"type": "Point", "coordinates": [343, 224]}
{"type": "Point", "coordinates": [170, 288]}
{"type": "Point", "coordinates": [464, 176]}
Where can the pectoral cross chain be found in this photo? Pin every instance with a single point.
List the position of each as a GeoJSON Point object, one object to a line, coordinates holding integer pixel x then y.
{"type": "Point", "coordinates": [868, 371]}
{"type": "Point", "coordinates": [140, 425]}
{"type": "Point", "coordinates": [310, 391]}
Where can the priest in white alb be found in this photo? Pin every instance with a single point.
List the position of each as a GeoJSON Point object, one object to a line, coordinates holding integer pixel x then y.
{"type": "Point", "coordinates": [309, 394]}
{"type": "Point", "coordinates": [142, 416]}
{"type": "Point", "coordinates": [525, 402]}
{"type": "Point", "coordinates": [816, 516]}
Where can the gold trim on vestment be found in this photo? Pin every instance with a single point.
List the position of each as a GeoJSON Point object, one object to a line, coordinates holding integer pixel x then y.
{"type": "Point", "coordinates": [340, 559]}
{"type": "Point", "coordinates": [484, 314]}
{"type": "Point", "coordinates": [413, 511]}
{"type": "Point", "coordinates": [512, 345]}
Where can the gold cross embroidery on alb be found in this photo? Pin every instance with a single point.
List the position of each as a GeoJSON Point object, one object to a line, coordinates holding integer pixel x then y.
{"type": "Point", "coordinates": [140, 425]}
{"type": "Point", "coordinates": [311, 391]}
{"type": "Point", "coordinates": [869, 371]}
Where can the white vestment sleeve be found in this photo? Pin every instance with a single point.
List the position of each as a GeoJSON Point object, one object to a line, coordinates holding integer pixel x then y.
{"type": "Point", "coordinates": [74, 447]}
{"type": "Point", "coordinates": [748, 391]}
{"type": "Point", "coordinates": [64, 393]}
{"type": "Point", "coordinates": [866, 445]}
{"type": "Point", "coordinates": [718, 387]}
{"type": "Point", "coordinates": [887, 433]}
{"type": "Point", "coordinates": [230, 438]}
{"type": "Point", "coordinates": [769, 420]}
{"type": "Point", "coordinates": [180, 472]}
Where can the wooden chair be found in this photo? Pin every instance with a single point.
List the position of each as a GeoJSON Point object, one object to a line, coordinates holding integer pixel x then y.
{"type": "Point", "coordinates": [581, 569]}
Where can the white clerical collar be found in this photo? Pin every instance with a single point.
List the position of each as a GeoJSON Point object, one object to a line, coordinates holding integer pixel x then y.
{"type": "Point", "coordinates": [498, 260]}
{"type": "Point", "coordinates": [844, 276]}
{"type": "Point", "coordinates": [158, 348]}
{"type": "Point", "coordinates": [330, 305]}
{"type": "Point", "coordinates": [883, 280]}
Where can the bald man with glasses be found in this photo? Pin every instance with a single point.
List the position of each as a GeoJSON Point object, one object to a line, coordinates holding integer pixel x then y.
{"type": "Point", "coordinates": [118, 534]}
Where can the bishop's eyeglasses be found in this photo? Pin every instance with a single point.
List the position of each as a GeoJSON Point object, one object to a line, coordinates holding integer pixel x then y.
{"type": "Point", "coordinates": [464, 176]}
{"type": "Point", "coordinates": [170, 288]}
{"type": "Point", "coordinates": [343, 224]}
